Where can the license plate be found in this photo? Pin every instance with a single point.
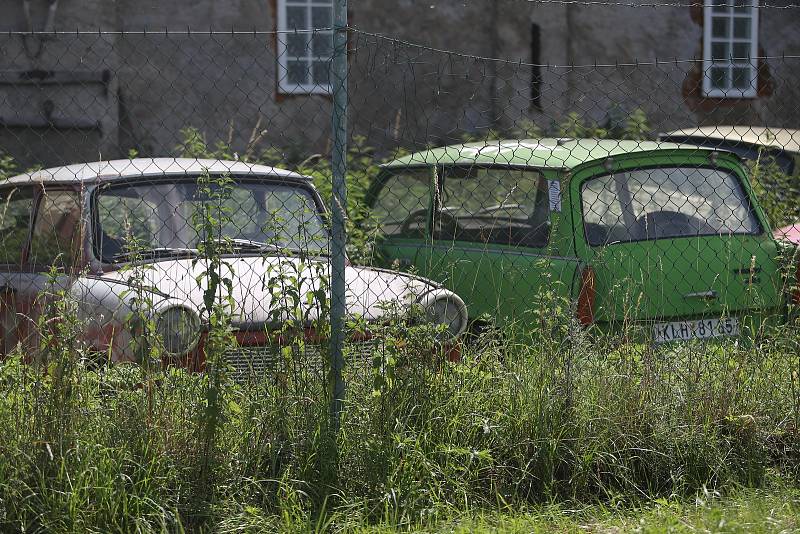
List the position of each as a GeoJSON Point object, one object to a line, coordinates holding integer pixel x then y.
{"type": "Point", "coordinates": [697, 329]}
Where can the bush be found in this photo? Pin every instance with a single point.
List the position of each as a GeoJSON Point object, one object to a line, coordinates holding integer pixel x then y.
{"type": "Point", "coordinates": [777, 192]}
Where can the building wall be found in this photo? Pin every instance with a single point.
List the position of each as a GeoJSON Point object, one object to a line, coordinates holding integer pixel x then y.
{"type": "Point", "coordinates": [140, 90]}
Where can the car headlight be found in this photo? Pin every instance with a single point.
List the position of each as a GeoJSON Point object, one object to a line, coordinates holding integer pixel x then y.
{"type": "Point", "coordinates": [446, 308]}
{"type": "Point", "coordinates": [178, 329]}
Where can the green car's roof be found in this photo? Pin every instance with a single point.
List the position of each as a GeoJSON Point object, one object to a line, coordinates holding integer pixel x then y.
{"type": "Point", "coordinates": [542, 153]}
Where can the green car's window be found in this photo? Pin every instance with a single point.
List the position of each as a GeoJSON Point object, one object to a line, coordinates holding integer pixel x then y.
{"type": "Point", "coordinates": [665, 202]}
{"type": "Point", "coordinates": [56, 232]}
{"type": "Point", "coordinates": [494, 205]}
{"type": "Point", "coordinates": [401, 208]}
{"type": "Point", "coordinates": [15, 215]}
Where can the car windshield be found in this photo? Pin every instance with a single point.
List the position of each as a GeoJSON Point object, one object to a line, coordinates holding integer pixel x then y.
{"type": "Point", "coordinates": [666, 202]}
{"type": "Point", "coordinates": [175, 217]}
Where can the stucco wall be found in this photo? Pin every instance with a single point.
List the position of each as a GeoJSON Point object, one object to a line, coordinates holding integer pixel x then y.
{"type": "Point", "coordinates": [225, 85]}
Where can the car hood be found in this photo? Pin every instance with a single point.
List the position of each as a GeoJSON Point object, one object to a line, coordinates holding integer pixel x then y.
{"type": "Point", "coordinates": [270, 290]}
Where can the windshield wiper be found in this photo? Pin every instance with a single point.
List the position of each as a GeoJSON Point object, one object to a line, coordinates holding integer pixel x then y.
{"type": "Point", "coordinates": [156, 252]}
{"type": "Point", "coordinates": [249, 245]}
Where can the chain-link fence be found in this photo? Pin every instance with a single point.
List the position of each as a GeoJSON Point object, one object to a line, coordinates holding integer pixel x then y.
{"type": "Point", "coordinates": [648, 200]}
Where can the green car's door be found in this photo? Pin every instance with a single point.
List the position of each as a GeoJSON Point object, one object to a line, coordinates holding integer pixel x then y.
{"type": "Point", "coordinates": [675, 239]}
{"type": "Point", "coordinates": [494, 240]}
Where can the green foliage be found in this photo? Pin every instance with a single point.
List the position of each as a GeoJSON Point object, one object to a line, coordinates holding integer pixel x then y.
{"type": "Point", "coordinates": [777, 193]}
{"type": "Point", "coordinates": [8, 167]}
{"type": "Point", "coordinates": [574, 126]}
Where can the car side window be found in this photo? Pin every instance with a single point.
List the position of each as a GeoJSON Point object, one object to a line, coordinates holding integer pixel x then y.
{"type": "Point", "coordinates": [15, 216]}
{"type": "Point", "coordinates": [56, 230]}
{"type": "Point", "coordinates": [494, 205]}
{"type": "Point", "coordinates": [401, 208]}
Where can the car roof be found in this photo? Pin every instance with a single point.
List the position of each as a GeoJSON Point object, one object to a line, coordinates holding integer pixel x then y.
{"type": "Point", "coordinates": [131, 168]}
{"type": "Point", "coordinates": [557, 153]}
{"type": "Point", "coordinates": [781, 138]}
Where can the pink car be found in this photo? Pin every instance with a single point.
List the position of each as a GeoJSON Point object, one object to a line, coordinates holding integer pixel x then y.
{"type": "Point", "coordinates": [789, 233]}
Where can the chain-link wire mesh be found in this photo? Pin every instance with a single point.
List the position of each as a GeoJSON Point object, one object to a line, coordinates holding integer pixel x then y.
{"type": "Point", "coordinates": [167, 180]}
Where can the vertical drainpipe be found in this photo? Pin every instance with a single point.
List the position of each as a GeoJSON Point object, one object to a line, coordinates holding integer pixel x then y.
{"type": "Point", "coordinates": [494, 51]}
{"type": "Point", "coordinates": [569, 16]}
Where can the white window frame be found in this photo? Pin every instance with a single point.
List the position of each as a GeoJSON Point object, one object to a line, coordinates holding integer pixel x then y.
{"type": "Point", "coordinates": [284, 86]}
{"type": "Point", "coordinates": [750, 62]}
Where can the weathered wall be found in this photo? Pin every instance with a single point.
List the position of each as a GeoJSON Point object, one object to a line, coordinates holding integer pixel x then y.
{"type": "Point", "coordinates": [141, 90]}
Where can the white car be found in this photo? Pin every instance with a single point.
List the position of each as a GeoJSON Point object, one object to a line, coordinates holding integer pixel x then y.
{"type": "Point", "coordinates": [131, 235]}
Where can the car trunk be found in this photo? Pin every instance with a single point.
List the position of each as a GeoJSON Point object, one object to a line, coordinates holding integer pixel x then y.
{"type": "Point", "coordinates": [671, 242]}
{"type": "Point", "coordinates": [686, 277]}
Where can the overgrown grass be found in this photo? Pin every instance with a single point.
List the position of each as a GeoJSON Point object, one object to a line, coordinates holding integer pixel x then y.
{"type": "Point", "coordinates": [510, 427]}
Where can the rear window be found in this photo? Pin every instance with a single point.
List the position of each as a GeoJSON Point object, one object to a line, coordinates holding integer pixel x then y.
{"type": "Point", "coordinates": [666, 202]}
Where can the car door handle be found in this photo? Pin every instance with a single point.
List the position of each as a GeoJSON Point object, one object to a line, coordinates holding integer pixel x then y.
{"type": "Point", "coordinates": [706, 295]}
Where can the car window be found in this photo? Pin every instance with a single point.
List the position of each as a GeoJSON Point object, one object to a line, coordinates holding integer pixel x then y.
{"type": "Point", "coordinates": [401, 208]}
{"type": "Point", "coordinates": [169, 215]}
{"type": "Point", "coordinates": [665, 202]}
{"type": "Point", "coordinates": [56, 232]}
{"type": "Point", "coordinates": [494, 205]}
{"type": "Point", "coordinates": [15, 215]}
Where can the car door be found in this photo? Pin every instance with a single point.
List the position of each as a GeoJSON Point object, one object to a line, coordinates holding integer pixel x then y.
{"type": "Point", "coordinates": [16, 206]}
{"type": "Point", "coordinates": [675, 238]}
{"type": "Point", "coordinates": [494, 240]}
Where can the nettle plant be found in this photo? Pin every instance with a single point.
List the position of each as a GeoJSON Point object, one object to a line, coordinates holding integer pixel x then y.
{"type": "Point", "coordinates": [407, 343]}
{"type": "Point", "coordinates": [215, 279]}
{"type": "Point", "coordinates": [299, 290]}
{"type": "Point", "coordinates": [148, 344]}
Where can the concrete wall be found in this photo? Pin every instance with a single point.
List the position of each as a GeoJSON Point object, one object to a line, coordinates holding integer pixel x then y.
{"type": "Point", "coordinates": [101, 95]}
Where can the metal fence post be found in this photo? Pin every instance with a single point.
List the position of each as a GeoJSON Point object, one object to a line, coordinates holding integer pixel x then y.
{"type": "Point", "coordinates": [338, 205]}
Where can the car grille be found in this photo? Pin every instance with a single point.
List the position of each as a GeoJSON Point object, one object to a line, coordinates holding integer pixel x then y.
{"type": "Point", "coordinates": [254, 362]}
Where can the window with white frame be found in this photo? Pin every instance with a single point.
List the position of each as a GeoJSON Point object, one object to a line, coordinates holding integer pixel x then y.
{"type": "Point", "coordinates": [730, 46]}
{"type": "Point", "coordinates": [305, 45]}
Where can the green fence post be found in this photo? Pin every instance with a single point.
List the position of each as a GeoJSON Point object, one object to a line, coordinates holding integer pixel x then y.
{"type": "Point", "coordinates": [338, 205]}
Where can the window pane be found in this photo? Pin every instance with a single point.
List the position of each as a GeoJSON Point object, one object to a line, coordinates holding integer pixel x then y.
{"type": "Point", "coordinates": [321, 72]}
{"type": "Point", "coordinates": [719, 77]}
{"type": "Point", "coordinates": [503, 206]}
{"type": "Point", "coordinates": [297, 72]}
{"type": "Point", "coordinates": [720, 27]}
{"type": "Point", "coordinates": [401, 208]}
{"type": "Point", "coordinates": [741, 51]}
{"type": "Point", "coordinates": [322, 45]}
{"type": "Point", "coordinates": [741, 28]}
{"type": "Point", "coordinates": [56, 232]}
{"type": "Point", "coordinates": [15, 213]}
{"type": "Point", "coordinates": [296, 18]}
{"type": "Point", "coordinates": [719, 51]}
{"type": "Point", "coordinates": [297, 45]}
{"type": "Point", "coordinates": [321, 17]}
{"type": "Point", "coordinates": [741, 78]}
{"type": "Point", "coordinates": [665, 203]}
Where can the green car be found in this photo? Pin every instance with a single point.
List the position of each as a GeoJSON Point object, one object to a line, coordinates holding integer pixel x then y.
{"type": "Point", "coordinates": [664, 239]}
